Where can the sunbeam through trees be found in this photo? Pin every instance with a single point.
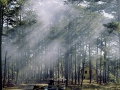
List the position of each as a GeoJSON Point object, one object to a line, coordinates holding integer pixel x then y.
{"type": "Point", "coordinates": [60, 44]}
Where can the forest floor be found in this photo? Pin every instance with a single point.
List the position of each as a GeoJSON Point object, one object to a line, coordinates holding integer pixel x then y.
{"type": "Point", "coordinates": [94, 87]}
{"type": "Point", "coordinates": [86, 86]}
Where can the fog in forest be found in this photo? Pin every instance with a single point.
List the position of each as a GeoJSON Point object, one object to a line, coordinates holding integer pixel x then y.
{"type": "Point", "coordinates": [35, 44]}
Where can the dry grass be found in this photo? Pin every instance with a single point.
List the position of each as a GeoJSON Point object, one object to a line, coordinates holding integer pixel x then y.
{"type": "Point", "coordinates": [94, 86]}
{"type": "Point", "coordinates": [86, 86]}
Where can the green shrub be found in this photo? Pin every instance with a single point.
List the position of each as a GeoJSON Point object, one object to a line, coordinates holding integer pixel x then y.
{"type": "Point", "coordinates": [112, 78]}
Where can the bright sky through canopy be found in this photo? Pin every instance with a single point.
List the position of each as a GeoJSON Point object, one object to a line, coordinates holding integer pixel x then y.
{"type": "Point", "coordinates": [86, 4]}
{"type": "Point", "coordinates": [107, 15]}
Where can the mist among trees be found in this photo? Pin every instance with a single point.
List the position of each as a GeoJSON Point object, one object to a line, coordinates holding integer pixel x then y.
{"type": "Point", "coordinates": [58, 39]}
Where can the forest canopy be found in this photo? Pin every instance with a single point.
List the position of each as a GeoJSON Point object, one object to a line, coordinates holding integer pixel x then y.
{"type": "Point", "coordinates": [51, 39]}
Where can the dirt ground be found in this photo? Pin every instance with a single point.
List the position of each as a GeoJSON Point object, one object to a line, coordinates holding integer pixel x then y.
{"type": "Point", "coordinates": [86, 86]}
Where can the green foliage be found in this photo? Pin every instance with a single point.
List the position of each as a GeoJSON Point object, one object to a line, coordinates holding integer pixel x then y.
{"type": "Point", "coordinates": [53, 33]}
{"type": "Point", "coordinates": [4, 2]}
{"type": "Point", "coordinates": [112, 26]}
{"type": "Point", "coordinates": [97, 0]}
{"type": "Point", "coordinates": [112, 78]}
{"type": "Point", "coordinates": [67, 88]}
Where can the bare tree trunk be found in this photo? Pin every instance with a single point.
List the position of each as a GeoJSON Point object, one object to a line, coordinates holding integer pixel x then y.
{"type": "Point", "coordinates": [97, 63]}
{"type": "Point", "coordinates": [58, 64]}
{"type": "Point", "coordinates": [79, 62]}
{"type": "Point", "coordinates": [117, 64]}
{"type": "Point", "coordinates": [108, 71]}
{"type": "Point", "coordinates": [71, 69]}
{"type": "Point", "coordinates": [90, 67]}
{"type": "Point", "coordinates": [118, 8]}
{"type": "Point", "coordinates": [12, 72]}
{"type": "Point", "coordinates": [118, 11]}
{"type": "Point", "coordinates": [75, 66]}
{"type": "Point", "coordinates": [66, 68]}
{"type": "Point", "coordinates": [101, 63]}
{"type": "Point", "coordinates": [4, 77]}
{"type": "Point", "coordinates": [1, 30]}
{"type": "Point", "coordinates": [83, 64]}
{"type": "Point", "coordinates": [17, 73]}
{"type": "Point", "coordinates": [100, 69]}
{"type": "Point", "coordinates": [40, 72]}
{"type": "Point", "coordinates": [8, 73]}
{"type": "Point", "coordinates": [79, 73]}
{"type": "Point", "coordinates": [51, 70]}
{"type": "Point", "coordinates": [114, 69]}
{"type": "Point", "coordinates": [62, 67]}
{"type": "Point", "coordinates": [105, 81]}
{"type": "Point", "coordinates": [67, 55]}
{"type": "Point", "coordinates": [105, 63]}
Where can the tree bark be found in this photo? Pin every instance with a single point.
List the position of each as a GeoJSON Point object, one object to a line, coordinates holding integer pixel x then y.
{"type": "Point", "coordinates": [71, 69]}
{"type": "Point", "coordinates": [100, 76]}
{"type": "Point", "coordinates": [118, 11]}
{"type": "Point", "coordinates": [118, 6]}
{"type": "Point", "coordinates": [4, 77]}
{"type": "Point", "coordinates": [105, 64]}
{"type": "Point", "coordinates": [83, 64]}
{"type": "Point", "coordinates": [67, 54]}
{"type": "Point", "coordinates": [90, 67]}
{"type": "Point", "coordinates": [8, 73]}
{"type": "Point", "coordinates": [1, 30]}
{"type": "Point", "coordinates": [58, 64]}
{"type": "Point", "coordinates": [75, 66]}
{"type": "Point", "coordinates": [66, 67]}
{"type": "Point", "coordinates": [97, 63]}
{"type": "Point", "coordinates": [108, 71]}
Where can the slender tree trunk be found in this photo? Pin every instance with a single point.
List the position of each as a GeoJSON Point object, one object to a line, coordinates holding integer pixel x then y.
{"type": "Point", "coordinates": [66, 68]}
{"type": "Point", "coordinates": [67, 55]}
{"type": "Point", "coordinates": [101, 63]}
{"type": "Point", "coordinates": [118, 11]}
{"type": "Point", "coordinates": [117, 64]}
{"type": "Point", "coordinates": [71, 69]}
{"type": "Point", "coordinates": [108, 71]}
{"type": "Point", "coordinates": [4, 77]}
{"type": "Point", "coordinates": [100, 69]}
{"type": "Point", "coordinates": [12, 72]}
{"type": "Point", "coordinates": [97, 63]}
{"type": "Point", "coordinates": [75, 66]}
{"type": "Point", "coordinates": [83, 64]}
{"type": "Point", "coordinates": [51, 70]}
{"type": "Point", "coordinates": [8, 73]}
{"type": "Point", "coordinates": [104, 78]}
{"type": "Point", "coordinates": [1, 30]}
{"type": "Point", "coordinates": [17, 73]}
{"type": "Point", "coordinates": [58, 64]}
{"type": "Point", "coordinates": [79, 62]}
{"type": "Point", "coordinates": [114, 69]}
{"type": "Point", "coordinates": [79, 74]}
{"type": "Point", "coordinates": [62, 68]}
{"type": "Point", "coordinates": [41, 71]}
{"type": "Point", "coordinates": [90, 67]}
